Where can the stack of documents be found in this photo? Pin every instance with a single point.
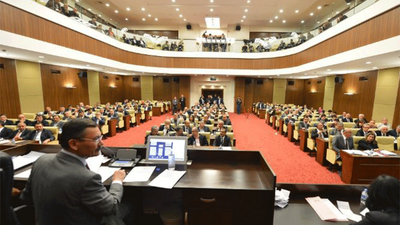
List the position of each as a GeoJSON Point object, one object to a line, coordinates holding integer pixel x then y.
{"type": "Point", "coordinates": [23, 160]}
{"type": "Point", "coordinates": [140, 174]}
{"type": "Point", "coordinates": [344, 207]}
{"type": "Point", "coordinates": [325, 209]}
{"type": "Point", "coordinates": [281, 198]}
{"type": "Point", "coordinates": [167, 179]}
{"type": "Point", "coordinates": [356, 152]}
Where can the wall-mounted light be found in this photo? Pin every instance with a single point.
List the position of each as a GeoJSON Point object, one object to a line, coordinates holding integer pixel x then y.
{"type": "Point", "coordinates": [113, 86]}
{"type": "Point", "coordinates": [313, 91]}
{"type": "Point", "coordinates": [349, 93]}
{"type": "Point", "coordinates": [69, 86]}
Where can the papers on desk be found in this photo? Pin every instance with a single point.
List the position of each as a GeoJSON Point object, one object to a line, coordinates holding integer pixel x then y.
{"type": "Point", "coordinates": [23, 160]}
{"type": "Point", "coordinates": [388, 153]}
{"type": "Point", "coordinates": [325, 209]}
{"type": "Point", "coordinates": [95, 162]}
{"type": "Point", "coordinates": [106, 172]}
{"type": "Point", "coordinates": [24, 175]}
{"type": "Point", "coordinates": [226, 148]}
{"type": "Point", "coordinates": [167, 179]}
{"type": "Point", "coordinates": [344, 207]}
{"type": "Point", "coordinates": [356, 152]}
{"type": "Point", "coordinates": [140, 174]}
{"type": "Point", "coordinates": [4, 142]}
{"type": "Point", "coordinates": [281, 198]}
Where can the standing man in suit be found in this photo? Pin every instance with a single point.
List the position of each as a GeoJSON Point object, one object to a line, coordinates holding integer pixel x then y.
{"type": "Point", "coordinates": [222, 139]}
{"type": "Point", "coordinates": [40, 134]}
{"type": "Point", "coordinates": [174, 105]}
{"type": "Point", "coordinates": [395, 133]}
{"type": "Point", "coordinates": [3, 118]}
{"type": "Point", "coordinates": [238, 105]}
{"type": "Point", "coordinates": [19, 133]}
{"type": "Point", "coordinates": [63, 189]}
{"type": "Point", "coordinates": [4, 131]}
{"type": "Point", "coordinates": [182, 100]}
{"type": "Point", "coordinates": [220, 101]}
{"type": "Point", "coordinates": [202, 100]}
{"type": "Point", "coordinates": [197, 139]}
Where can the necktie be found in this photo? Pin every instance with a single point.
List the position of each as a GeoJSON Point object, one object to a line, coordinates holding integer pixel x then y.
{"type": "Point", "coordinates": [222, 141]}
{"type": "Point", "coordinates": [18, 134]}
{"type": "Point", "coordinates": [347, 143]}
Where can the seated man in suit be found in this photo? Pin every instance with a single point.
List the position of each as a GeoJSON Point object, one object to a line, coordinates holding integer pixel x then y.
{"type": "Point", "coordinates": [222, 139]}
{"type": "Point", "coordinates": [68, 116]}
{"type": "Point", "coordinates": [22, 119]}
{"type": "Point", "coordinates": [113, 115]}
{"type": "Point", "coordinates": [39, 119]}
{"type": "Point", "coordinates": [383, 131]}
{"type": "Point", "coordinates": [197, 139]}
{"type": "Point", "coordinates": [220, 126]}
{"type": "Point", "coordinates": [226, 120]}
{"type": "Point", "coordinates": [206, 120]}
{"type": "Point", "coordinates": [342, 142]}
{"type": "Point", "coordinates": [175, 119]}
{"type": "Point", "coordinates": [372, 124]}
{"type": "Point", "coordinates": [4, 131]}
{"type": "Point", "coordinates": [384, 122]}
{"type": "Point", "coordinates": [81, 115]}
{"type": "Point", "coordinates": [202, 127]}
{"type": "Point", "coordinates": [57, 123]}
{"type": "Point", "coordinates": [395, 133]}
{"type": "Point", "coordinates": [319, 132]}
{"type": "Point", "coordinates": [179, 132]}
{"type": "Point", "coordinates": [41, 135]}
{"type": "Point", "coordinates": [3, 118]}
{"type": "Point", "coordinates": [363, 131]}
{"type": "Point", "coordinates": [63, 189]}
{"type": "Point", "coordinates": [61, 111]}
{"type": "Point", "coordinates": [338, 130]}
{"type": "Point", "coordinates": [153, 132]}
{"type": "Point", "coordinates": [347, 118]}
{"type": "Point", "coordinates": [361, 117]}
{"type": "Point", "coordinates": [19, 133]}
{"type": "Point", "coordinates": [289, 119]}
{"type": "Point", "coordinates": [187, 127]}
{"type": "Point", "coordinates": [305, 124]}
{"type": "Point", "coordinates": [166, 127]}
{"type": "Point", "coordinates": [98, 119]}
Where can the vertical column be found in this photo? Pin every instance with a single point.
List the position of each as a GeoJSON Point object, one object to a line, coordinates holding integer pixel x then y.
{"type": "Point", "coordinates": [329, 92]}
{"type": "Point", "coordinates": [146, 85]}
{"type": "Point", "coordinates": [30, 86]}
{"type": "Point", "coordinates": [279, 91]}
{"type": "Point", "coordinates": [94, 87]}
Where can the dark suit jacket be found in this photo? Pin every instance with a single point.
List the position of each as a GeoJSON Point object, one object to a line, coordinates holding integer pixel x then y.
{"type": "Point", "coordinates": [364, 145]}
{"type": "Point", "coordinates": [314, 134]}
{"type": "Point", "coordinates": [347, 120]}
{"type": "Point", "coordinates": [338, 144]}
{"type": "Point", "coordinates": [27, 122]}
{"type": "Point", "coordinates": [8, 122]}
{"type": "Point", "coordinates": [183, 102]}
{"type": "Point", "coordinates": [64, 191]}
{"type": "Point", "coordinates": [101, 121]}
{"type": "Point", "coordinates": [162, 127]}
{"type": "Point", "coordinates": [227, 141]}
{"type": "Point", "coordinates": [394, 133]}
{"type": "Point", "coordinates": [379, 133]}
{"type": "Point", "coordinates": [304, 125]}
{"type": "Point", "coordinates": [287, 121]}
{"type": "Point", "coordinates": [387, 217]}
{"type": "Point", "coordinates": [46, 134]}
{"type": "Point", "coordinates": [227, 122]}
{"type": "Point", "coordinates": [360, 133]}
{"type": "Point", "coordinates": [185, 129]}
{"type": "Point", "coordinates": [60, 124]}
{"type": "Point", "coordinates": [115, 116]}
{"type": "Point", "coordinates": [206, 129]}
{"type": "Point", "coordinates": [5, 132]}
{"type": "Point", "coordinates": [44, 122]}
{"type": "Point", "coordinates": [335, 131]}
{"type": "Point", "coordinates": [202, 138]}
{"type": "Point", "coordinates": [15, 132]}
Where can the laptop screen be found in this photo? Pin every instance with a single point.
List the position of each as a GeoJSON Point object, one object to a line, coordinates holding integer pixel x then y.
{"type": "Point", "coordinates": [158, 149]}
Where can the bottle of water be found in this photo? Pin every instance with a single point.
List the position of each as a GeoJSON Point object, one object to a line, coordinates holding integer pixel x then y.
{"type": "Point", "coordinates": [363, 199]}
{"type": "Point", "coordinates": [171, 161]}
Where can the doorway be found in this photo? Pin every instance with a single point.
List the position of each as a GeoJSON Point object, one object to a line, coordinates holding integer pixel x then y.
{"type": "Point", "coordinates": [218, 92]}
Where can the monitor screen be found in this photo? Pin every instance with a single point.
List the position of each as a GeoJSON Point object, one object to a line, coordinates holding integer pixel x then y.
{"type": "Point", "coordinates": [158, 148]}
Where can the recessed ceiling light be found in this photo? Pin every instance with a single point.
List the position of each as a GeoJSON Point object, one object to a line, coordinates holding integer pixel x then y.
{"type": "Point", "coordinates": [276, 17]}
{"type": "Point", "coordinates": [278, 75]}
{"type": "Point", "coordinates": [311, 14]}
{"type": "Point", "coordinates": [87, 65]}
{"type": "Point", "coordinates": [177, 9]}
{"type": "Point", "coordinates": [281, 11]}
{"type": "Point", "coordinates": [42, 57]}
{"type": "Point", "coordinates": [173, 0]}
{"type": "Point", "coordinates": [328, 18]}
{"type": "Point", "coordinates": [241, 21]}
{"type": "Point", "coordinates": [283, 21]}
{"type": "Point", "coordinates": [246, 10]}
{"type": "Point", "coordinates": [368, 62]}
{"type": "Point", "coordinates": [108, 5]}
{"type": "Point", "coordinates": [297, 11]}
{"type": "Point", "coordinates": [126, 19]}
{"type": "Point", "coordinates": [149, 15]}
{"type": "Point", "coordinates": [211, 1]}
{"type": "Point", "coordinates": [248, 1]}
{"type": "Point", "coordinates": [319, 7]}
{"type": "Point", "coordinates": [89, 9]}
{"type": "Point", "coordinates": [184, 19]}
{"type": "Point", "coordinates": [302, 21]}
{"type": "Point", "coordinates": [318, 22]}
{"type": "Point", "coordinates": [128, 9]}
{"type": "Point", "coordinates": [156, 19]}
{"type": "Point", "coordinates": [211, 10]}
{"type": "Point", "coordinates": [271, 21]}
{"type": "Point", "coordinates": [116, 11]}
{"type": "Point", "coordinates": [99, 15]}
{"type": "Point", "coordinates": [244, 17]}
{"type": "Point", "coordinates": [143, 9]}
{"type": "Point", "coordinates": [144, 19]}
{"type": "Point", "coordinates": [180, 15]}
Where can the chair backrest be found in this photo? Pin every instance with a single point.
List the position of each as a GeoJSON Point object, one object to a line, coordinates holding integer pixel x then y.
{"type": "Point", "coordinates": [296, 125]}
{"type": "Point", "coordinates": [354, 131]}
{"type": "Point", "coordinates": [229, 128]}
{"type": "Point", "coordinates": [310, 129]}
{"type": "Point", "coordinates": [30, 116]}
{"type": "Point", "coordinates": [230, 135]}
{"type": "Point", "coordinates": [329, 124]}
{"type": "Point", "coordinates": [210, 126]}
{"type": "Point", "coordinates": [12, 127]}
{"type": "Point", "coordinates": [30, 128]}
{"type": "Point", "coordinates": [7, 182]}
{"type": "Point", "coordinates": [207, 135]}
{"type": "Point", "coordinates": [356, 139]}
{"type": "Point", "coordinates": [385, 143]}
{"type": "Point", "coordinates": [147, 132]}
{"type": "Point", "coordinates": [161, 133]}
{"type": "Point", "coordinates": [348, 125]}
{"type": "Point", "coordinates": [330, 141]}
{"type": "Point", "coordinates": [54, 131]}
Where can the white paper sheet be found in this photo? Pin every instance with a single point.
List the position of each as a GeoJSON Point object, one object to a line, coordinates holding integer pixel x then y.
{"type": "Point", "coordinates": [167, 179]}
{"type": "Point", "coordinates": [140, 174]}
{"type": "Point", "coordinates": [321, 209]}
{"type": "Point", "coordinates": [338, 214]}
{"type": "Point", "coordinates": [364, 211]}
{"type": "Point", "coordinates": [106, 172]}
{"type": "Point", "coordinates": [21, 161]}
{"type": "Point", "coordinates": [356, 152]}
{"type": "Point", "coordinates": [4, 142]}
{"type": "Point", "coordinates": [24, 174]}
{"type": "Point", "coordinates": [386, 152]}
{"type": "Point", "coordinates": [226, 148]}
{"type": "Point", "coordinates": [344, 207]}
{"type": "Point", "coordinates": [95, 162]}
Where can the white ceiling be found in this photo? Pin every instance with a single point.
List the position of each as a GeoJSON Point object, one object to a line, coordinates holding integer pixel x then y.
{"type": "Point", "coordinates": [231, 12]}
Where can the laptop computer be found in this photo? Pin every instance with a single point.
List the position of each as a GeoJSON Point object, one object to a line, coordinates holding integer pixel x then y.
{"type": "Point", "coordinates": [125, 158]}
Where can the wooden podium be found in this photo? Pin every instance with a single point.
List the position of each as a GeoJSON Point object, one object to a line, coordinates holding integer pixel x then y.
{"type": "Point", "coordinates": [261, 113]}
{"type": "Point", "coordinates": [322, 145]}
{"type": "Point", "coordinates": [112, 127]}
{"type": "Point", "coordinates": [138, 115]}
{"type": "Point", "coordinates": [290, 128]}
{"type": "Point", "coordinates": [127, 122]}
{"type": "Point", "coordinates": [156, 111]}
{"type": "Point", "coordinates": [303, 139]}
{"type": "Point", "coordinates": [274, 122]}
{"type": "Point", "coordinates": [146, 116]}
{"type": "Point", "coordinates": [280, 130]}
{"type": "Point", "coordinates": [268, 118]}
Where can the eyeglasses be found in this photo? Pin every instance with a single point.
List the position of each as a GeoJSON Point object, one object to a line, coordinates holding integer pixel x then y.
{"type": "Point", "coordinates": [96, 140]}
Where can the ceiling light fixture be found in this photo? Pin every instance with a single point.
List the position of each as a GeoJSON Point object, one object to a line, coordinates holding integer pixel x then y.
{"type": "Point", "coordinates": [276, 17]}
{"type": "Point", "coordinates": [337, 12]}
{"type": "Point", "coordinates": [156, 19]}
{"type": "Point", "coordinates": [297, 11]}
{"type": "Point", "coordinates": [368, 63]}
{"type": "Point", "coordinates": [149, 15]}
{"type": "Point", "coordinates": [246, 10]}
{"type": "Point", "coordinates": [211, 1]}
{"type": "Point", "coordinates": [184, 19]}
{"type": "Point", "coordinates": [40, 61]}
{"type": "Point", "coordinates": [283, 21]}
{"type": "Point", "coordinates": [211, 10]}
{"type": "Point", "coordinates": [126, 19]}
{"type": "Point", "coordinates": [241, 21]}
{"type": "Point", "coordinates": [108, 5]}
{"type": "Point", "coordinates": [128, 9]}
{"type": "Point", "coordinates": [248, 1]}
{"type": "Point", "coordinates": [180, 15]}
{"type": "Point", "coordinates": [319, 7]}
{"type": "Point", "coordinates": [374, 68]}
{"type": "Point", "coordinates": [311, 14]}
{"type": "Point", "coordinates": [281, 11]}
{"type": "Point", "coordinates": [143, 9]}
{"type": "Point", "coordinates": [42, 57]}
{"type": "Point", "coordinates": [116, 11]}
{"type": "Point", "coordinates": [177, 9]}
{"type": "Point", "coordinates": [328, 70]}
{"type": "Point", "coordinates": [318, 22]}
{"type": "Point", "coordinates": [271, 21]}
{"type": "Point", "coordinates": [89, 9]}
{"type": "Point", "coordinates": [144, 19]}
{"type": "Point", "coordinates": [302, 21]}
{"type": "Point", "coordinates": [99, 15]}
{"type": "Point", "coordinates": [244, 17]}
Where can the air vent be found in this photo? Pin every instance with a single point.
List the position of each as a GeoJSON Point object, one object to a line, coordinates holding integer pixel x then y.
{"type": "Point", "coordinates": [1, 66]}
{"type": "Point", "coordinates": [309, 82]}
{"type": "Point", "coordinates": [105, 77]}
{"type": "Point", "coordinates": [213, 78]}
{"type": "Point", "coordinates": [260, 81]}
{"type": "Point", "coordinates": [363, 78]}
{"type": "Point", "coordinates": [117, 78]}
{"type": "Point", "coordinates": [165, 80]}
{"type": "Point", "coordinates": [290, 82]}
{"type": "Point", "coordinates": [136, 79]}
{"type": "Point", "coordinates": [55, 71]}
{"type": "Point", "coordinates": [175, 79]}
{"type": "Point", "coordinates": [247, 81]}
{"type": "Point", "coordinates": [320, 81]}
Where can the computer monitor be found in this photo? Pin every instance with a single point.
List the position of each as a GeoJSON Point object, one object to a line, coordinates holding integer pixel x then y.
{"type": "Point", "coordinates": [159, 147]}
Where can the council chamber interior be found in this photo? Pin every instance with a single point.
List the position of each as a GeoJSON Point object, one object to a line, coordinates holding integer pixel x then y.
{"type": "Point", "coordinates": [248, 71]}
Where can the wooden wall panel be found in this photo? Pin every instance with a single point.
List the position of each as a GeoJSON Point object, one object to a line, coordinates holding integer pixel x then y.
{"type": "Point", "coordinates": [175, 90]}
{"type": "Point", "coordinates": [132, 89]}
{"type": "Point", "coordinates": [363, 99]}
{"type": "Point", "coordinates": [249, 92]}
{"type": "Point", "coordinates": [263, 91]}
{"type": "Point", "coordinates": [54, 92]}
{"type": "Point", "coordinates": [184, 88]}
{"type": "Point", "coordinates": [396, 117]}
{"type": "Point", "coordinates": [9, 103]}
{"type": "Point", "coordinates": [294, 93]}
{"type": "Point", "coordinates": [239, 91]}
{"type": "Point", "coordinates": [20, 22]}
{"type": "Point", "coordinates": [313, 95]}
{"type": "Point", "coordinates": [162, 90]}
{"type": "Point", "coordinates": [108, 94]}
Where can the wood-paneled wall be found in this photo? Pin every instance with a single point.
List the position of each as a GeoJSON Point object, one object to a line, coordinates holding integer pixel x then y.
{"type": "Point", "coordinates": [168, 90]}
{"type": "Point", "coordinates": [240, 92]}
{"type": "Point", "coordinates": [20, 22]}
{"type": "Point", "coordinates": [263, 91]}
{"type": "Point", "coordinates": [251, 92]}
{"type": "Point", "coordinates": [9, 103]}
{"type": "Point", "coordinates": [313, 95]}
{"type": "Point", "coordinates": [109, 94]}
{"type": "Point", "coordinates": [396, 117]}
{"type": "Point", "coordinates": [364, 94]}
{"type": "Point", "coordinates": [54, 92]}
{"type": "Point", "coordinates": [132, 89]}
{"type": "Point", "coordinates": [294, 93]}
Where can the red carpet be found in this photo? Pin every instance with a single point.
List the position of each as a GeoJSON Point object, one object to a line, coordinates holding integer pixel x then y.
{"type": "Point", "coordinates": [289, 163]}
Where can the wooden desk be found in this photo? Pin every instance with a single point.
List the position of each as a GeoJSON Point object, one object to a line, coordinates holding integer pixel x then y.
{"type": "Point", "coordinates": [18, 143]}
{"type": "Point", "coordinates": [127, 122]}
{"type": "Point", "coordinates": [290, 129]}
{"type": "Point", "coordinates": [112, 127]}
{"type": "Point", "coordinates": [364, 169]}
{"type": "Point", "coordinates": [239, 185]}
{"type": "Point", "coordinates": [268, 119]}
{"type": "Point", "coordinates": [146, 116]}
{"type": "Point", "coordinates": [261, 113]}
{"type": "Point", "coordinates": [138, 115]}
{"type": "Point", "coordinates": [280, 130]}
{"type": "Point", "coordinates": [322, 145]}
{"type": "Point", "coordinates": [303, 139]}
{"type": "Point", "coordinates": [157, 111]}
{"type": "Point", "coordinates": [274, 122]}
